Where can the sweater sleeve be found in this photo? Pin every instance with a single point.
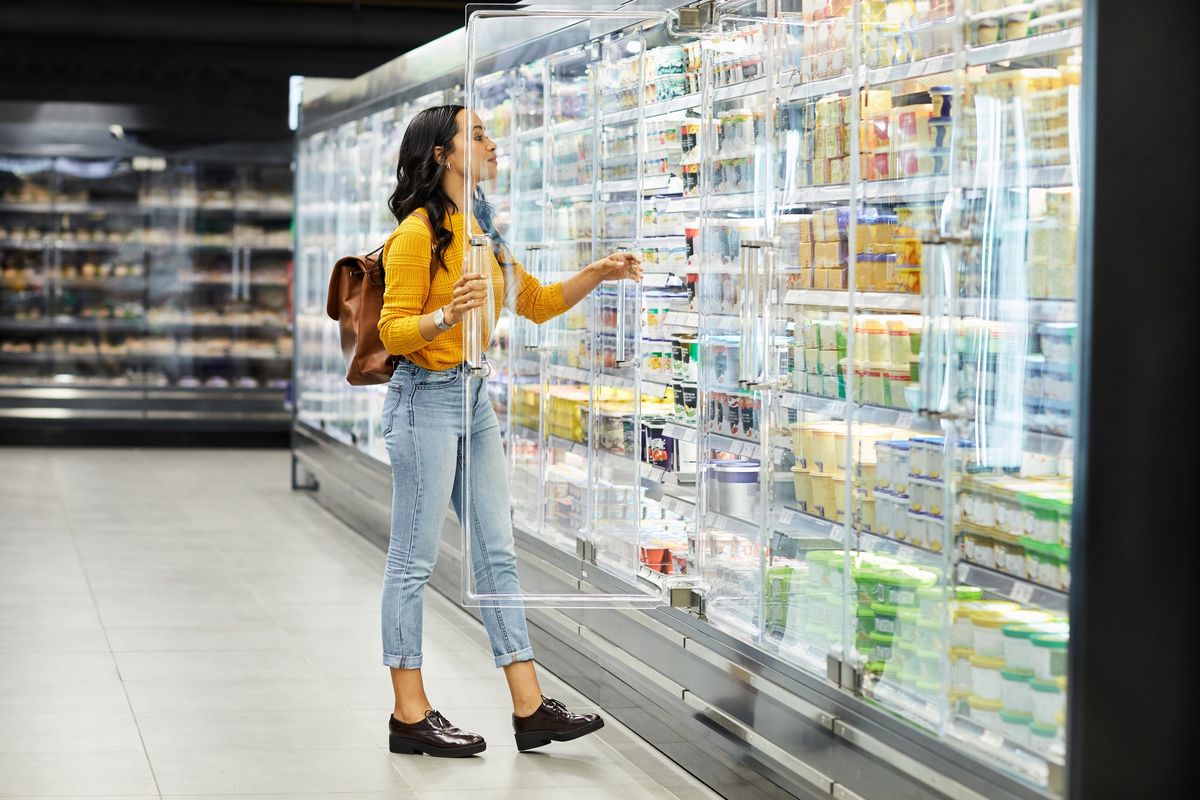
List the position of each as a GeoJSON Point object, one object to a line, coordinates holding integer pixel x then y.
{"type": "Point", "coordinates": [406, 272]}
{"type": "Point", "coordinates": [535, 301]}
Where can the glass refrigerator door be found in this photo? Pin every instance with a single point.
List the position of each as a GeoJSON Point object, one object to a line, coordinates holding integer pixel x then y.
{"type": "Point", "coordinates": [1011, 305]}
{"type": "Point", "coordinates": [739, 333]}
{"type": "Point", "coordinates": [588, 396]}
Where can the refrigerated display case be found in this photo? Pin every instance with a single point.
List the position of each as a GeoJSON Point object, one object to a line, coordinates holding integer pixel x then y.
{"type": "Point", "coordinates": [833, 428]}
{"type": "Point", "coordinates": [144, 293]}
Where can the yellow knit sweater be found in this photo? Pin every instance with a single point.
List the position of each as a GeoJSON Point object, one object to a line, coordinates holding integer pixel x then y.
{"type": "Point", "coordinates": [409, 293]}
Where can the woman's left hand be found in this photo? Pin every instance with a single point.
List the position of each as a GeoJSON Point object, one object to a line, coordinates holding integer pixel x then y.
{"type": "Point", "coordinates": [623, 266]}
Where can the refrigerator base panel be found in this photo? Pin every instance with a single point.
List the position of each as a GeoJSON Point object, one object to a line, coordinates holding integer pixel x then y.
{"type": "Point", "coordinates": [740, 720]}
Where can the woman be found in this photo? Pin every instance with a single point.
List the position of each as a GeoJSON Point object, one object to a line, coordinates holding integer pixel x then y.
{"type": "Point", "coordinates": [426, 299]}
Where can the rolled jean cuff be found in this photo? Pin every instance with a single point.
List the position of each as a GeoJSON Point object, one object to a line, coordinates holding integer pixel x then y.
{"type": "Point", "coordinates": [504, 659]}
{"type": "Point", "coordinates": [401, 662]}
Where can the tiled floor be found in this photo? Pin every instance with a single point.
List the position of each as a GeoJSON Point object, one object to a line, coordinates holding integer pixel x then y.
{"type": "Point", "coordinates": [178, 623]}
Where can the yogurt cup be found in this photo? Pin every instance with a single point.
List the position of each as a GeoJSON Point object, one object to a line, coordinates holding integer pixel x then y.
{"type": "Point", "coordinates": [960, 670]}
{"type": "Point", "coordinates": [1049, 655]}
{"type": "Point", "coordinates": [1048, 699]}
{"type": "Point", "coordinates": [988, 625]}
{"type": "Point", "coordinates": [985, 677]}
{"type": "Point", "coordinates": [1042, 735]}
{"type": "Point", "coordinates": [802, 485]}
{"type": "Point", "coordinates": [1018, 641]}
{"type": "Point", "coordinates": [985, 712]}
{"type": "Point", "coordinates": [1015, 689]}
{"type": "Point", "coordinates": [737, 486]}
{"type": "Point", "coordinates": [882, 645]}
{"type": "Point", "coordinates": [962, 631]}
{"type": "Point", "coordinates": [1015, 725]}
{"type": "Point", "coordinates": [885, 618]}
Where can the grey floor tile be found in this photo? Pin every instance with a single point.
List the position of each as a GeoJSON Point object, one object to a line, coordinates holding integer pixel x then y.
{"type": "Point", "coordinates": [53, 639]}
{"type": "Point", "coordinates": [76, 774]}
{"type": "Point", "coordinates": [68, 695]}
{"type": "Point", "coordinates": [214, 665]}
{"type": "Point", "coordinates": [282, 730]}
{"type": "Point", "coordinates": [141, 615]}
{"type": "Point", "coordinates": [618, 792]}
{"type": "Point", "coordinates": [265, 772]}
{"type": "Point", "coordinates": [32, 666]}
{"type": "Point", "coordinates": [68, 732]}
{"type": "Point", "coordinates": [208, 637]}
{"type": "Point", "coordinates": [229, 695]}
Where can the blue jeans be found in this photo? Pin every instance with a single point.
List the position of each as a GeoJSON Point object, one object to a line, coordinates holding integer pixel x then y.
{"type": "Point", "coordinates": [423, 428]}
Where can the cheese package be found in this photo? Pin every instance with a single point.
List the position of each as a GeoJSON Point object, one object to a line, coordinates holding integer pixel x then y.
{"type": "Point", "coordinates": [820, 171]}
{"type": "Point", "coordinates": [910, 125]}
{"type": "Point", "coordinates": [820, 278]}
{"type": "Point", "coordinates": [804, 278]}
{"type": "Point", "coordinates": [873, 102]}
{"type": "Point", "coordinates": [837, 278]}
{"type": "Point", "coordinates": [876, 166]}
{"type": "Point", "coordinates": [875, 131]}
{"type": "Point", "coordinates": [830, 110]}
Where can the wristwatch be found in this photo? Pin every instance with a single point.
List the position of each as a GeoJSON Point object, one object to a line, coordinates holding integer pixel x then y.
{"type": "Point", "coordinates": [439, 320]}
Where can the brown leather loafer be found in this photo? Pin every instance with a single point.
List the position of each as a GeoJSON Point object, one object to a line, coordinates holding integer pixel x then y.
{"type": "Point", "coordinates": [552, 722]}
{"type": "Point", "coordinates": [433, 736]}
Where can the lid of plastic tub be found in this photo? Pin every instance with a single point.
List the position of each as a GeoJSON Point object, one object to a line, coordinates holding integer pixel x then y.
{"type": "Point", "coordinates": [966, 609]}
{"type": "Point", "coordinates": [1047, 730]}
{"type": "Point", "coordinates": [1016, 717]}
{"type": "Point", "coordinates": [968, 593]}
{"type": "Point", "coordinates": [885, 609]}
{"type": "Point", "coordinates": [961, 652]}
{"type": "Point", "coordinates": [1049, 687]}
{"type": "Point", "coordinates": [880, 637]}
{"type": "Point", "coordinates": [987, 662]}
{"type": "Point", "coordinates": [984, 703]}
{"type": "Point", "coordinates": [930, 623]}
{"type": "Point", "coordinates": [940, 89]}
{"type": "Point", "coordinates": [736, 465]}
{"type": "Point", "coordinates": [798, 469]}
{"type": "Point", "coordinates": [864, 612]}
{"type": "Point", "coordinates": [1053, 641]}
{"type": "Point", "coordinates": [1029, 630]}
{"type": "Point", "coordinates": [1018, 675]}
{"type": "Point", "coordinates": [929, 653]}
{"type": "Point", "coordinates": [908, 614]}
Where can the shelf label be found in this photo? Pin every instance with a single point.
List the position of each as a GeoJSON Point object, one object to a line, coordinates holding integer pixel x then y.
{"type": "Point", "coordinates": [837, 533]}
{"type": "Point", "coordinates": [964, 569]}
{"type": "Point", "coordinates": [1021, 592]}
{"type": "Point", "coordinates": [906, 553]}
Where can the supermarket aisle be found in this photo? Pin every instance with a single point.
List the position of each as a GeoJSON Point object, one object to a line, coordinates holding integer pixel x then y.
{"type": "Point", "coordinates": [178, 623]}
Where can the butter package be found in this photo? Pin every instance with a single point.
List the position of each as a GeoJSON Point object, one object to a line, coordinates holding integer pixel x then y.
{"type": "Point", "coordinates": [837, 278]}
{"type": "Point", "coordinates": [803, 223]}
{"type": "Point", "coordinates": [874, 101]}
{"type": "Point", "coordinates": [830, 110]}
{"type": "Point", "coordinates": [876, 166]}
{"type": "Point", "coordinates": [826, 255]}
{"type": "Point", "coordinates": [805, 254]}
{"type": "Point", "coordinates": [804, 278]}
{"type": "Point", "coordinates": [820, 278]}
{"type": "Point", "coordinates": [838, 171]}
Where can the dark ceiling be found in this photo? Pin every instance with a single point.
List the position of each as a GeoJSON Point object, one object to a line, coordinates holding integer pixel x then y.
{"type": "Point", "coordinates": [208, 69]}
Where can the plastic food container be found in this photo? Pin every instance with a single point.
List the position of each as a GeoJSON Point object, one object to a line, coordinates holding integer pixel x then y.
{"type": "Point", "coordinates": [885, 618]}
{"type": "Point", "coordinates": [737, 486]}
{"type": "Point", "coordinates": [1042, 735]}
{"type": "Point", "coordinates": [906, 624]}
{"type": "Point", "coordinates": [1018, 641]}
{"type": "Point", "coordinates": [882, 647]}
{"type": "Point", "coordinates": [960, 670]}
{"type": "Point", "coordinates": [985, 712]}
{"type": "Point", "coordinates": [802, 484]}
{"type": "Point", "coordinates": [1015, 689]}
{"type": "Point", "coordinates": [989, 624]}
{"type": "Point", "coordinates": [1049, 655]}
{"type": "Point", "coordinates": [866, 625]}
{"type": "Point", "coordinates": [930, 663]}
{"type": "Point", "coordinates": [866, 583]}
{"type": "Point", "coordinates": [929, 632]}
{"type": "Point", "coordinates": [820, 567]}
{"type": "Point", "coordinates": [985, 677]}
{"type": "Point", "coordinates": [962, 632]}
{"type": "Point", "coordinates": [1047, 700]}
{"type": "Point", "coordinates": [899, 587]}
{"type": "Point", "coordinates": [1015, 725]}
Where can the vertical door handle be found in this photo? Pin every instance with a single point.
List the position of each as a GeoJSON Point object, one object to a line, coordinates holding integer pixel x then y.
{"type": "Point", "coordinates": [621, 354]}
{"type": "Point", "coordinates": [473, 324]}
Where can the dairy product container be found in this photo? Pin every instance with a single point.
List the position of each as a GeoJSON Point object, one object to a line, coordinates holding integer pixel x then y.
{"type": "Point", "coordinates": [1049, 655]}
{"type": "Point", "coordinates": [985, 711]}
{"type": "Point", "coordinates": [737, 487]}
{"type": "Point", "coordinates": [1015, 725]}
{"type": "Point", "coordinates": [1018, 641]}
{"type": "Point", "coordinates": [1049, 699]}
{"type": "Point", "coordinates": [1015, 689]}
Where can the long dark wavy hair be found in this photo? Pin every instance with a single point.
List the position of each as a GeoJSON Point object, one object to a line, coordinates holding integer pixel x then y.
{"type": "Point", "coordinates": [419, 180]}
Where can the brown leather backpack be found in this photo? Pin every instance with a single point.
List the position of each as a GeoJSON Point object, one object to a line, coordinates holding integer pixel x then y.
{"type": "Point", "coordinates": [355, 302]}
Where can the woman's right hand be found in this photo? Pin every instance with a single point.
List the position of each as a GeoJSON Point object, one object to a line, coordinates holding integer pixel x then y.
{"type": "Point", "coordinates": [469, 292]}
